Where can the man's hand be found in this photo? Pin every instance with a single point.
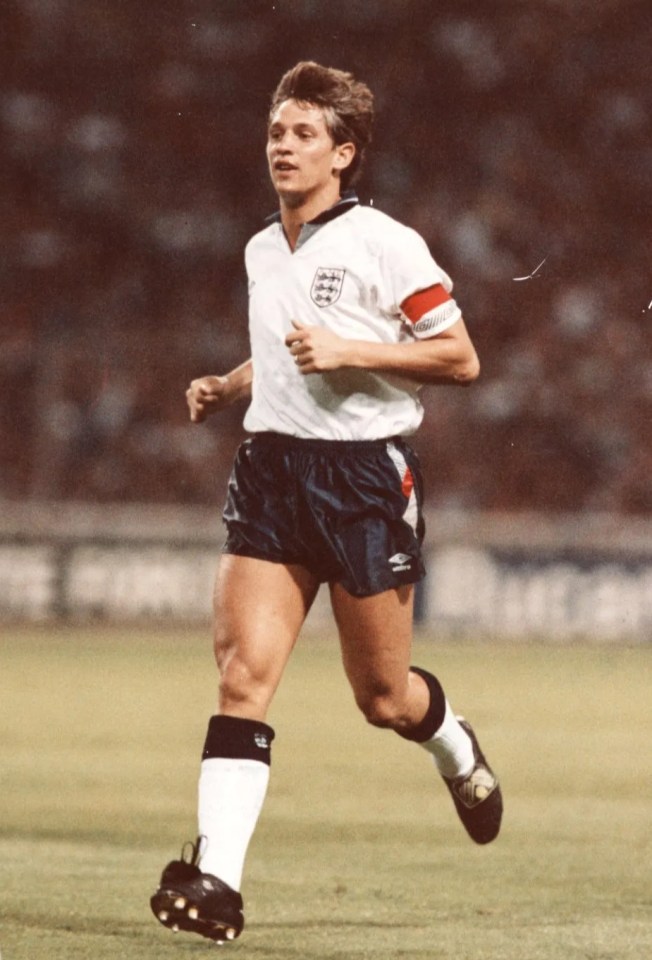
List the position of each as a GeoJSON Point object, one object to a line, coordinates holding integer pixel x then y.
{"type": "Point", "coordinates": [316, 349]}
{"type": "Point", "coordinates": [207, 395]}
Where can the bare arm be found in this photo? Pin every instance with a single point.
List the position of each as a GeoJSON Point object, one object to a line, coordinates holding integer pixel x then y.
{"type": "Point", "coordinates": [210, 394]}
{"type": "Point", "coordinates": [449, 357]}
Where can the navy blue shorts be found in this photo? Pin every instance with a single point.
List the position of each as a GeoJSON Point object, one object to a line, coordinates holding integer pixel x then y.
{"type": "Point", "coordinates": [348, 511]}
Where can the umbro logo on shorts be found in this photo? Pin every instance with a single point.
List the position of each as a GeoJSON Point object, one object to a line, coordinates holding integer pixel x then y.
{"type": "Point", "coordinates": [400, 561]}
{"type": "Point", "coordinates": [327, 286]}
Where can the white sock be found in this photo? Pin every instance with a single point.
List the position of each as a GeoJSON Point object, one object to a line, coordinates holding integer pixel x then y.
{"type": "Point", "coordinates": [451, 748]}
{"type": "Point", "coordinates": [231, 795]}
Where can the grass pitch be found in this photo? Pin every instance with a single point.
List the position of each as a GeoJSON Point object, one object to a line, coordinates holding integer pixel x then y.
{"type": "Point", "coordinates": [359, 853]}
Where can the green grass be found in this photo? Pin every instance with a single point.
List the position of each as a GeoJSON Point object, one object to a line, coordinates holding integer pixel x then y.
{"type": "Point", "coordinates": [358, 854]}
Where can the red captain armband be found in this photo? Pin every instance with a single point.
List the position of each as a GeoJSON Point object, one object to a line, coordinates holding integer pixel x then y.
{"type": "Point", "coordinates": [430, 311]}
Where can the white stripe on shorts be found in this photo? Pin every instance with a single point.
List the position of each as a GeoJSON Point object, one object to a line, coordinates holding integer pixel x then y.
{"type": "Point", "coordinates": [411, 514]}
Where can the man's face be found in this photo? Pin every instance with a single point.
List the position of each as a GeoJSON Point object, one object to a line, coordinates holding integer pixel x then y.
{"type": "Point", "coordinates": [301, 154]}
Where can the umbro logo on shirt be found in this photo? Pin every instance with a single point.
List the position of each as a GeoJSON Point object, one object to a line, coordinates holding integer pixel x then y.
{"type": "Point", "coordinates": [261, 740]}
{"type": "Point", "coordinates": [327, 286]}
{"type": "Point", "coordinates": [400, 561]}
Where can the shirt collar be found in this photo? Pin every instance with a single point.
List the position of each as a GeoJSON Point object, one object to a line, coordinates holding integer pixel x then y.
{"type": "Point", "coordinates": [348, 199]}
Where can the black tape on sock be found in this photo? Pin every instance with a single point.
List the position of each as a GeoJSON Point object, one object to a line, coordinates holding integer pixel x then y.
{"type": "Point", "coordinates": [238, 739]}
{"type": "Point", "coordinates": [434, 714]}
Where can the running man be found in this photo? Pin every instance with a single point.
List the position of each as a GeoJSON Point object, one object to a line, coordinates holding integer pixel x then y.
{"type": "Point", "coordinates": [349, 316]}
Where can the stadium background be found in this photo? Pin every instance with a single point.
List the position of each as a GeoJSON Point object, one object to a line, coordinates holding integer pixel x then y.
{"type": "Point", "coordinates": [133, 169]}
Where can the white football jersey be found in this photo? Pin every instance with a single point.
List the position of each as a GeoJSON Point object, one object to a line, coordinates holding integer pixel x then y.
{"type": "Point", "coordinates": [350, 272]}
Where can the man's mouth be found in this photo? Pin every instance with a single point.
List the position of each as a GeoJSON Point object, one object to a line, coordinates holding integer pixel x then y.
{"type": "Point", "coordinates": [283, 166]}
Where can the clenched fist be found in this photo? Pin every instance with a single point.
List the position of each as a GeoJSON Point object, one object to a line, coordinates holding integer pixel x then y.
{"type": "Point", "coordinates": [316, 349]}
{"type": "Point", "coordinates": [207, 395]}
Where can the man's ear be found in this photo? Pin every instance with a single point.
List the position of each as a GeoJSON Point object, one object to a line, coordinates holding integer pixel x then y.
{"type": "Point", "coordinates": [344, 154]}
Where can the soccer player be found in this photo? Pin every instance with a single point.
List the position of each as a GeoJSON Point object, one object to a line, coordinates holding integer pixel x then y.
{"type": "Point", "coordinates": [349, 316]}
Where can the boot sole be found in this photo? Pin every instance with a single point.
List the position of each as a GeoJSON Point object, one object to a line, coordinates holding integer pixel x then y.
{"type": "Point", "coordinates": [177, 912]}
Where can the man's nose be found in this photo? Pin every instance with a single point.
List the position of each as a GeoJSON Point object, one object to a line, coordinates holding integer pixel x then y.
{"type": "Point", "coordinates": [282, 145]}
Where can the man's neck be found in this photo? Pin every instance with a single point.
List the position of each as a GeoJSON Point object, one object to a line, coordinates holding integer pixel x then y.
{"type": "Point", "coordinates": [294, 216]}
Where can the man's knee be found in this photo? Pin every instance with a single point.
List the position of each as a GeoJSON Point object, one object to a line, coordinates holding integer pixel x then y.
{"type": "Point", "coordinates": [245, 687]}
{"type": "Point", "coordinates": [236, 686]}
{"type": "Point", "coordinates": [382, 708]}
{"type": "Point", "coordinates": [238, 683]}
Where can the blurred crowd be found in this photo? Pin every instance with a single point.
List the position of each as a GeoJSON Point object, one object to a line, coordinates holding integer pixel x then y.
{"type": "Point", "coordinates": [516, 137]}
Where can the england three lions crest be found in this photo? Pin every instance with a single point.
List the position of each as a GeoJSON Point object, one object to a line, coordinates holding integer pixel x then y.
{"type": "Point", "coordinates": [327, 286]}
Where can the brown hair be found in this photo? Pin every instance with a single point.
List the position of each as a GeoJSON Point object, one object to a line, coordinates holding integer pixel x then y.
{"type": "Point", "coordinates": [347, 104]}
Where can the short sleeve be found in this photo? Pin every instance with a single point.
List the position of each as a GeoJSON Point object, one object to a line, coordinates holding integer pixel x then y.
{"type": "Point", "coordinates": [410, 267]}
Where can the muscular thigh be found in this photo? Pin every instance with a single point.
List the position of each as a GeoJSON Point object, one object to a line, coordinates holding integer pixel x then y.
{"type": "Point", "coordinates": [259, 609]}
{"type": "Point", "coordinates": [375, 635]}
{"type": "Point", "coordinates": [376, 639]}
